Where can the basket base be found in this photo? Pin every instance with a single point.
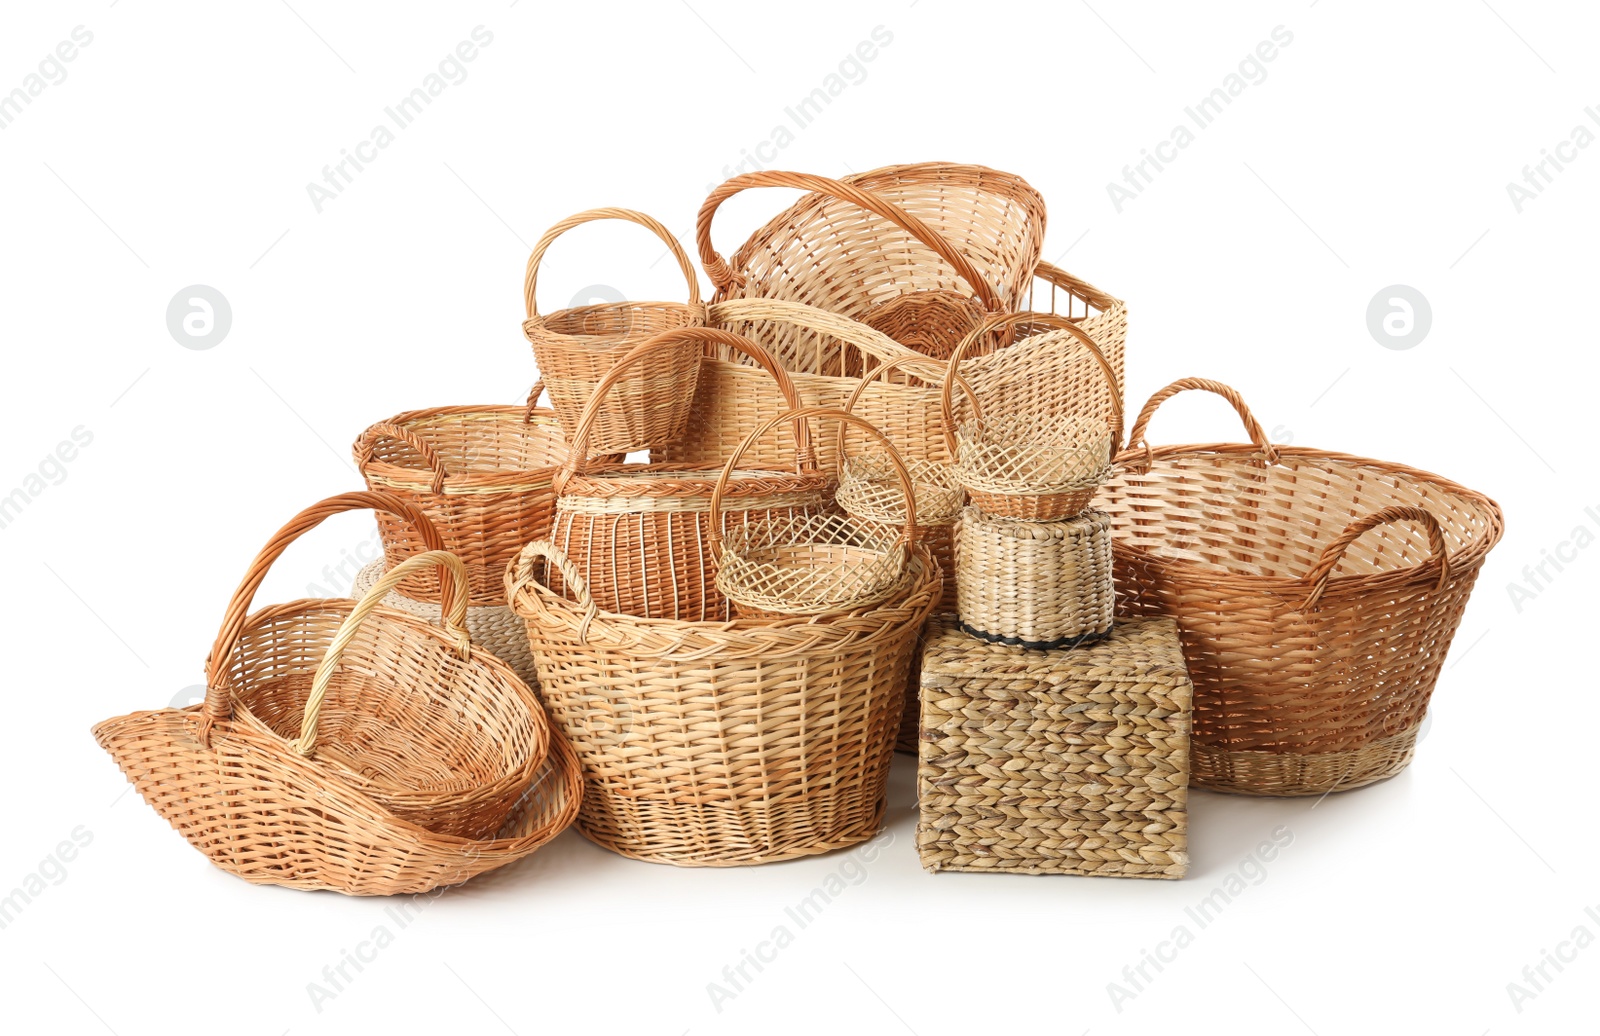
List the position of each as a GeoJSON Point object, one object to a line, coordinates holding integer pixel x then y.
{"type": "Point", "coordinates": [593, 825]}
{"type": "Point", "coordinates": [1284, 774]}
{"type": "Point", "coordinates": [1059, 644]}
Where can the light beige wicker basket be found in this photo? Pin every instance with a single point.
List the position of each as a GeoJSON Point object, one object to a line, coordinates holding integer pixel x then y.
{"type": "Point", "coordinates": [1040, 585]}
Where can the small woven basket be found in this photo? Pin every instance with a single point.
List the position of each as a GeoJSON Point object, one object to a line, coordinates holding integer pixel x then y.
{"type": "Point", "coordinates": [716, 744]}
{"type": "Point", "coordinates": [641, 534]}
{"type": "Point", "coordinates": [575, 347]}
{"type": "Point", "coordinates": [1018, 460]}
{"type": "Point", "coordinates": [346, 746]}
{"type": "Point", "coordinates": [811, 564]}
{"type": "Point", "coordinates": [1317, 594]}
{"type": "Point", "coordinates": [482, 474]}
{"type": "Point", "coordinates": [1039, 585]}
{"type": "Point", "coordinates": [492, 627]}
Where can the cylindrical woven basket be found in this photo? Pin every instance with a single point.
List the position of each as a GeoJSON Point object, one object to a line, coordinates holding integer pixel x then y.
{"type": "Point", "coordinates": [1028, 459]}
{"type": "Point", "coordinates": [575, 347]}
{"type": "Point", "coordinates": [1039, 585]}
{"type": "Point", "coordinates": [493, 627]}
{"type": "Point", "coordinates": [721, 744]}
{"type": "Point", "coordinates": [482, 475]}
{"type": "Point", "coordinates": [1316, 593]}
{"type": "Point", "coordinates": [332, 731]}
{"type": "Point", "coordinates": [816, 564]}
{"type": "Point", "coordinates": [921, 252]}
{"type": "Point", "coordinates": [640, 534]}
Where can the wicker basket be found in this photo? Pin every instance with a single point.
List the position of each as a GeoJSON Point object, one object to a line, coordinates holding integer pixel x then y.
{"type": "Point", "coordinates": [921, 252]}
{"type": "Point", "coordinates": [1317, 594]}
{"type": "Point", "coordinates": [482, 474]}
{"type": "Point", "coordinates": [1039, 585]}
{"type": "Point", "coordinates": [331, 731]}
{"type": "Point", "coordinates": [1029, 458]}
{"type": "Point", "coordinates": [575, 347]}
{"type": "Point", "coordinates": [640, 534]}
{"type": "Point", "coordinates": [1101, 316]}
{"type": "Point", "coordinates": [492, 627]}
{"type": "Point", "coordinates": [814, 564]}
{"type": "Point", "coordinates": [720, 744]}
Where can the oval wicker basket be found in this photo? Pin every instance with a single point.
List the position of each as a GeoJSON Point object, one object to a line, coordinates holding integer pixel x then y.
{"type": "Point", "coordinates": [1037, 585]}
{"type": "Point", "coordinates": [640, 534]}
{"type": "Point", "coordinates": [332, 730]}
{"type": "Point", "coordinates": [575, 347]}
{"type": "Point", "coordinates": [724, 743]}
{"type": "Point", "coordinates": [816, 564]}
{"type": "Point", "coordinates": [1317, 594]}
{"type": "Point", "coordinates": [482, 474]}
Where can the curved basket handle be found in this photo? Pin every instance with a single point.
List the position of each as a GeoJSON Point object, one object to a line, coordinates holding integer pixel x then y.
{"type": "Point", "coordinates": [908, 535]}
{"type": "Point", "coordinates": [578, 448]}
{"type": "Point", "coordinates": [650, 224]}
{"type": "Point", "coordinates": [218, 705]}
{"type": "Point", "coordinates": [1009, 320]}
{"type": "Point", "coordinates": [1322, 571]}
{"type": "Point", "coordinates": [869, 341]}
{"type": "Point", "coordinates": [520, 573]}
{"type": "Point", "coordinates": [369, 440]}
{"type": "Point", "coordinates": [901, 363]}
{"type": "Point", "coordinates": [532, 405]}
{"type": "Point", "coordinates": [1252, 427]}
{"type": "Point", "coordinates": [454, 601]}
{"type": "Point", "coordinates": [724, 277]}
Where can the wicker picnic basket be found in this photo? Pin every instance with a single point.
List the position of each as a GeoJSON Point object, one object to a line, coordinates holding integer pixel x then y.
{"type": "Point", "coordinates": [640, 534]}
{"type": "Point", "coordinates": [815, 564]}
{"type": "Point", "coordinates": [1027, 455]}
{"type": "Point", "coordinates": [723, 743]}
{"type": "Point", "coordinates": [482, 474]}
{"type": "Point", "coordinates": [332, 731]}
{"type": "Point", "coordinates": [575, 347]}
{"type": "Point", "coordinates": [492, 627]}
{"type": "Point", "coordinates": [921, 252]}
{"type": "Point", "coordinates": [1317, 594]}
{"type": "Point", "coordinates": [1037, 585]}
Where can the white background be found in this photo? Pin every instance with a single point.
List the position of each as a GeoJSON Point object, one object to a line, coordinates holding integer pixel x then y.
{"type": "Point", "coordinates": [1376, 152]}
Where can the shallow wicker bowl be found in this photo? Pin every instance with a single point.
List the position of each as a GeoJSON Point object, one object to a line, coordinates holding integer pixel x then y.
{"type": "Point", "coordinates": [1040, 470]}
{"type": "Point", "coordinates": [809, 565]}
{"type": "Point", "coordinates": [870, 490]}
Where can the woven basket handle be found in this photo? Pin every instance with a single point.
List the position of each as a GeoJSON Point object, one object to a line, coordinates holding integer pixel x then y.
{"type": "Point", "coordinates": [454, 600]}
{"type": "Point", "coordinates": [577, 450]}
{"type": "Point", "coordinates": [1252, 427]}
{"type": "Point", "coordinates": [520, 573]}
{"type": "Point", "coordinates": [1005, 322]}
{"type": "Point", "coordinates": [650, 224]}
{"type": "Point", "coordinates": [724, 277]}
{"type": "Point", "coordinates": [908, 534]}
{"type": "Point", "coordinates": [867, 340]}
{"type": "Point", "coordinates": [901, 363]}
{"type": "Point", "coordinates": [532, 405]}
{"type": "Point", "coordinates": [1322, 571]}
{"type": "Point", "coordinates": [378, 432]}
{"type": "Point", "coordinates": [219, 705]}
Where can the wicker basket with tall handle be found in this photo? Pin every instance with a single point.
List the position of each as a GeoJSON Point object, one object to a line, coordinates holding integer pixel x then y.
{"type": "Point", "coordinates": [575, 347]}
{"type": "Point", "coordinates": [921, 252]}
{"type": "Point", "coordinates": [1316, 593]}
{"type": "Point", "coordinates": [812, 564]}
{"type": "Point", "coordinates": [716, 744]}
{"type": "Point", "coordinates": [482, 474]}
{"type": "Point", "coordinates": [332, 731]}
{"type": "Point", "coordinates": [640, 534]}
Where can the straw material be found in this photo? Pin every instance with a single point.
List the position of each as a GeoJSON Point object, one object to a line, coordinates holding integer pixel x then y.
{"type": "Point", "coordinates": [641, 534]}
{"type": "Point", "coordinates": [720, 744]}
{"type": "Point", "coordinates": [1040, 585]}
{"type": "Point", "coordinates": [1101, 316]}
{"type": "Point", "coordinates": [919, 251]}
{"type": "Point", "coordinates": [332, 730]}
{"type": "Point", "coordinates": [1072, 762]}
{"type": "Point", "coordinates": [1317, 594]}
{"type": "Point", "coordinates": [575, 347]}
{"type": "Point", "coordinates": [492, 627]}
{"type": "Point", "coordinates": [815, 564]}
{"type": "Point", "coordinates": [481, 474]}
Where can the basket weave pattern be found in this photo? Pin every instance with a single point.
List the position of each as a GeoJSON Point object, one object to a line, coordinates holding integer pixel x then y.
{"type": "Point", "coordinates": [1035, 584]}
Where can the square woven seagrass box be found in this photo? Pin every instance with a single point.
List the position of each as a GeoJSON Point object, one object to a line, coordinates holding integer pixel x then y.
{"type": "Point", "coordinates": [1055, 762]}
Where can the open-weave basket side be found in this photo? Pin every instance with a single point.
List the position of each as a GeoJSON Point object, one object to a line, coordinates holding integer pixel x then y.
{"type": "Point", "coordinates": [809, 564]}
{"type": "Point", "coordinates": [1033, 455]}
{"type": "Point", "coordinates": [869, 491]}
